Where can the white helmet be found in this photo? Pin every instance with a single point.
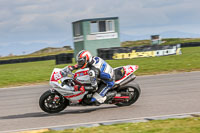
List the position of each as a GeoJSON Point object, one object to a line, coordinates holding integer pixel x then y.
{"type": "Point", "coordinates": [83, 57]}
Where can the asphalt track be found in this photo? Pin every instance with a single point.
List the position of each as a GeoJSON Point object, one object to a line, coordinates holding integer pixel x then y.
{"type": "Point", "coordinates": [161, 95]}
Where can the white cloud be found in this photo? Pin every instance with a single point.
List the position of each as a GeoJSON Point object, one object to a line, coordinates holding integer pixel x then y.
{"type": "Point", "coordinates": [30, 20]}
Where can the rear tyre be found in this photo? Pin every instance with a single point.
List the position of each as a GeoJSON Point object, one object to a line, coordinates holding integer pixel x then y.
{"type": "Point", "coordinates": [52, 102]}
{"type": "Point", "coordinates": [134, 93]}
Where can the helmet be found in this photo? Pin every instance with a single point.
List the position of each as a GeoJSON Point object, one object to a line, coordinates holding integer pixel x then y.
{"type": "Point", "coordinates": [83, 57]}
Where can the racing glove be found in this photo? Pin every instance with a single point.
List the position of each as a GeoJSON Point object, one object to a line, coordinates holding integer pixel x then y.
{"type": "Point", "coordinates": [71, 68]}
{"type": "Point", "coordinates": [79, 88]}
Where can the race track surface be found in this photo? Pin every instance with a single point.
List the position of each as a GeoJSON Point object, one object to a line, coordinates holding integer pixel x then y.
{"type": "Point", "coordinates": [161, 95]}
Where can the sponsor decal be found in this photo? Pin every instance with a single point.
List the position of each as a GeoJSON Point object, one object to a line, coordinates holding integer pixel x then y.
{"type": "Point", "coordinates": [102, 36]}
{"type": "Point", "coordinates": [78, 39]}
{"type": "Point", "coordinates": [56, 76]}
{"type": "Point", "coordinates": [59, 82]}
{"type": "Point", "coordinates": [106, 36]}
{"type": "Point", "coordinates": [134, 54]}
{"type": "Point", "coordinates": [81, 74]}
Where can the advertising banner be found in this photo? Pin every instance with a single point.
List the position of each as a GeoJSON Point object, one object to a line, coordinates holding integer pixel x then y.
{"type": "Point", "coordinates": [139, 51]}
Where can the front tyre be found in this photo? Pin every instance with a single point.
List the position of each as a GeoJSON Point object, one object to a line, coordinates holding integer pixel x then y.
{"type": "Point", "coordinates": [52, 102]}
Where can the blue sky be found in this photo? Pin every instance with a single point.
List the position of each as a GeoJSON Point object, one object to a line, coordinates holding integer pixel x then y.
{"type": "Point", "coordinates": [29, 25]}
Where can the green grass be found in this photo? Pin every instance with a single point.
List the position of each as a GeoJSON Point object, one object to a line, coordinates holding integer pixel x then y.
{"type": "Point", "coordinates": [26, 73]}
{"type": "Point", "coordinates": [135, 43]}
{"type": "Point", "coordinates": [37, 72]}
{"type": "Point", "coordinates": [186, 125]}
{"type": "Point", "coordinates": [188, 61]}
{"type": "Point", "coordinates": [166, 41]}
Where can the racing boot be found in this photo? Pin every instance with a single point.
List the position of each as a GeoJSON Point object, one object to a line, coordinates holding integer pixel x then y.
{"type": "Point", "coordinates": [98, 98]}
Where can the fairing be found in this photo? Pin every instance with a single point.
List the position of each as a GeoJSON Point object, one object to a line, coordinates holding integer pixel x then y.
{"type": "Point", "coordinates": [67, 91]}
{"type": "Point", "coordinates": [81, 77]}
{"type": "Point", "coordinates": [128, 70]}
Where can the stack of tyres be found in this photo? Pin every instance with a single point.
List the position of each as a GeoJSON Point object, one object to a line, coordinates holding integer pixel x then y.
{"type": "Point", "coordinates": [191, 44]}
{"type": "Point", "coordinates": [64, 58]}
{"type": "Point", "coordinates": [30, 59]}
{"type": "Point", "coordinates": [105, 53]}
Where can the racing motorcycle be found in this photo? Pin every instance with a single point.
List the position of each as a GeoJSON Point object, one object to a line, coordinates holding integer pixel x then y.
{"type": "Point", "coordinates": [126, 90]}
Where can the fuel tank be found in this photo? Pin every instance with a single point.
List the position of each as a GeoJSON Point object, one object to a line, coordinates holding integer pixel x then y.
{"type": "Point", "coordinates": [81, 77]}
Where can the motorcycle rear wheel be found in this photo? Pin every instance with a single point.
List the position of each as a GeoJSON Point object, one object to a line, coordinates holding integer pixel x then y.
{"type": "Point", "coordinates": [52, 102]}
{"type": "Point", "coordinates": [134, 95]}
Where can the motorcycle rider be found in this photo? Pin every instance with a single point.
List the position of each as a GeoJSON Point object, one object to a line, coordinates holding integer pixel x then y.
{"type": "Point", "coordinates": [98, 68]}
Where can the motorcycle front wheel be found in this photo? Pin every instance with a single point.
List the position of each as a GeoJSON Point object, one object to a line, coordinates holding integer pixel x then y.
{"type": "Point", "coordinates": [52, 102]}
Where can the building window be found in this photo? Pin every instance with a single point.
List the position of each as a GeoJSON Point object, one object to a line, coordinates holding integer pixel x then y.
{"type": "Point", "coordinates": [77, 29]}
{"type": "Point", "coordinates": [94, 26]}
{"type": "Point", "coordinates": [101, 26]}
{"type": "Point", "coordinates": [110, 26]}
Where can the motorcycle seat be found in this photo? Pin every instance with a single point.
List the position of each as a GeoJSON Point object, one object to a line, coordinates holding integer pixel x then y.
{"type": "Point", "coordinates": [119, 73]}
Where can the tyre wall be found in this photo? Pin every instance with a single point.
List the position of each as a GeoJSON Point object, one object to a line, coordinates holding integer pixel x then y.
{"type": "Point", "coordinates": [60, 59]}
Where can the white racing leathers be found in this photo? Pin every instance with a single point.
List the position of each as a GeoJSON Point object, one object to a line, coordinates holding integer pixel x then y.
{"type": "Point", "coordinates": [100, 69]}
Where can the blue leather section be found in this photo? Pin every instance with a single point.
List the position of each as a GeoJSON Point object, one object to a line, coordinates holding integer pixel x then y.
{"type": "Point", "coordinates": [96, 59]}
{"type": "Point", "coordinates": [104, 91]}
{"type": "Point", "coordinates": [93, 99]}
{"type": "Point", "coordinates": [110, 84]}
{"type": "Point", "coordinates": [104, 75]}
{"type": "Point", "coordinates": [103, 66]}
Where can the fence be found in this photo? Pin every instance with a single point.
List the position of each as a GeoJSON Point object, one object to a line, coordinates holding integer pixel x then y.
{"type": "Point", "coordinates": [64, 58]}
{"type": "Point", "coordinates": [191, 44]}
{"type": "Point", "coordinates": [60, 59]}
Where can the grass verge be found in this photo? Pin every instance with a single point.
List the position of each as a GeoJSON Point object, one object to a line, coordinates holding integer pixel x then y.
{"type": "Point", "coordinates": [37, 72]}
{"type": "Point", "coordinates": [186, 125]}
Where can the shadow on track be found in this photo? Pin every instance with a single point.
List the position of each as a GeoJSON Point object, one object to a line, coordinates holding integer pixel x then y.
{"type": "Point", "coordinates": [43, 114]}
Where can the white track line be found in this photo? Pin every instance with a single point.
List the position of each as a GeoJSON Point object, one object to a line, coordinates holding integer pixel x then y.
{"type": "Point", "coordinates": [109, 121]}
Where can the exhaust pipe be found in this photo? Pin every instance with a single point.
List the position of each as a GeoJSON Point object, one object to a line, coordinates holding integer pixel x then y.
{"type": "Point", "coordinates": [129, 79]}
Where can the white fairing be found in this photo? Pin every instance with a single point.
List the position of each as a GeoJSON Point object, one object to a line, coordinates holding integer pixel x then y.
{"type": "Point", "coordinates": [67, 91]}
{"type": "Point", "coordinates": [81, 77]}
{"type": "Point", "coordinates": [129, 69]}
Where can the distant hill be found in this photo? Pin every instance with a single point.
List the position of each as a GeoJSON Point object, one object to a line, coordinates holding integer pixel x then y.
{"type": "Point", "coordinates": [43, 52]}
{"type": "Point", "coordinates": [165, 41]}
{"type": "Point", "coordinates": [166, 34]}
{"type": "Point", "coordinates": [52, 50]}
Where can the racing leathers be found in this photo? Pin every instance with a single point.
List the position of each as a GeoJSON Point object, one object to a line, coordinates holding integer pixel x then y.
{"type": "Point", "coordinates": [99, 69]}
{"type": "Point", "coordinates": [102, 70]}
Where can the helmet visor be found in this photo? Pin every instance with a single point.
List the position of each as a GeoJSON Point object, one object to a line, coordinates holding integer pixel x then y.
{"type": "Point", "coordinates": [81, 62]}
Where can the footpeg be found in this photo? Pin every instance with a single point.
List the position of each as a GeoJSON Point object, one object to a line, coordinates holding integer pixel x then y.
{"type": "Point", "coordinates": [110, 95]}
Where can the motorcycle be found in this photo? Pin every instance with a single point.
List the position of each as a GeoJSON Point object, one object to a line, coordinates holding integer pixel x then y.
{"type": "Point", "coordinates": [126, 90]}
